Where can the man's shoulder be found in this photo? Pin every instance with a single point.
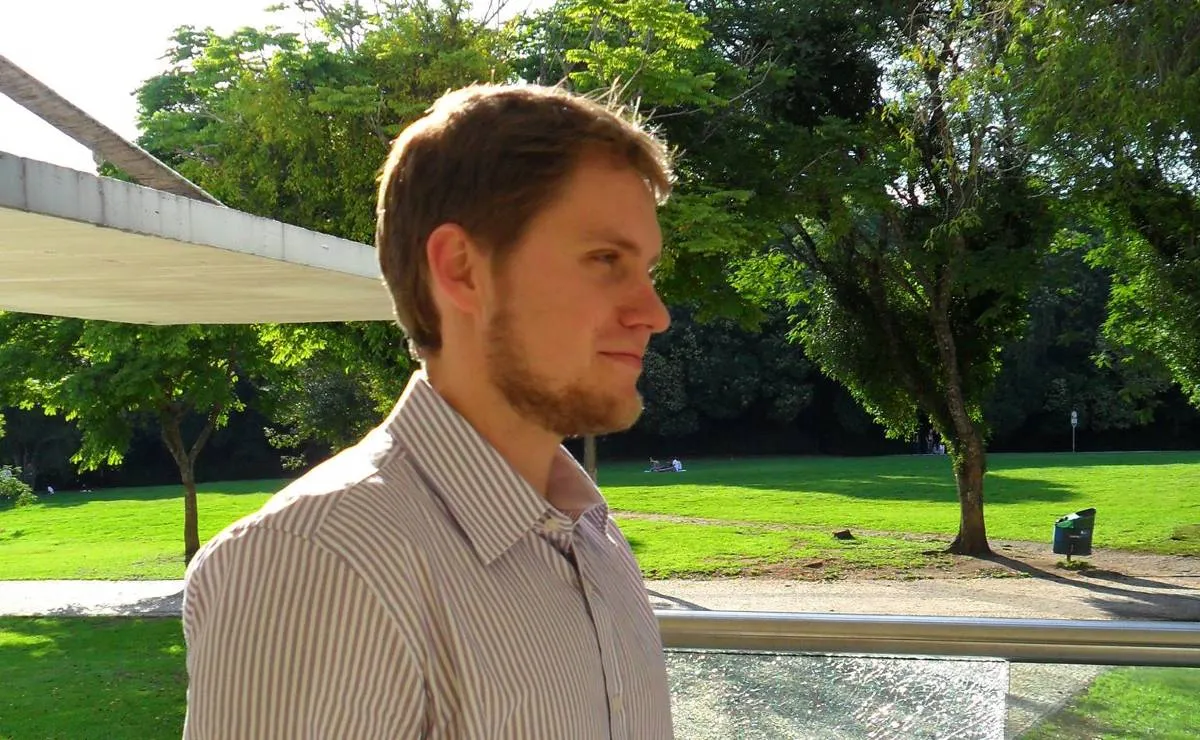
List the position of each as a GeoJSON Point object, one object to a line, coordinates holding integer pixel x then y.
{"type": "Point", "coordinates": [357, 489]}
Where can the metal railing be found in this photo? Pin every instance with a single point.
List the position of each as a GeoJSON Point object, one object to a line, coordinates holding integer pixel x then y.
{"type": "Point", "coordinates": [1019, 640]}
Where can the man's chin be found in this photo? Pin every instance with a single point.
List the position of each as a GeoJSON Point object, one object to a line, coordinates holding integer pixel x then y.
{"type": "Point", "coordinates": [620, 420]}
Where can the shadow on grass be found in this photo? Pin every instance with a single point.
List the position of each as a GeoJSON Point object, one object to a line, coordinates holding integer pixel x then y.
{"type": "Point", "coordinates": [895, 477]}
{"type": "Point", "coordinates": [877, 479]}
{"type": "Point", "coordinates": [111, 678]}
{"type": "Point", "coordinates": [1120, 603]}
{"type": "Point", "coordinates": [158, 493]}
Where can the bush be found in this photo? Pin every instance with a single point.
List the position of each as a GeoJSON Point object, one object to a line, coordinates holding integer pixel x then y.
{"type": "Point", "coordinates": [13, 489]}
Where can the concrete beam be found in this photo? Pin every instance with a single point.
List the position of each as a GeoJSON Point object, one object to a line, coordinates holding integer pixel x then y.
{"type": "Point", "coordinates": [75, 244]}
{"type": "Point", "coordinates": [73, 121]}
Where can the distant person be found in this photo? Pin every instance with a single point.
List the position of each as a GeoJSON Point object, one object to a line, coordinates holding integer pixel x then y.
{"type": "Point", "coordinates": [677, 465]}
{"type": "Point", "coordinates": [457, 574]}
{"type": "Point", "coordinates": [49, 489]}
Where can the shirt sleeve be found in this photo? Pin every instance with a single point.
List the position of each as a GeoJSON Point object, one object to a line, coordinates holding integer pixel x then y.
{"type": "Point", "coordinates": [286, 641]}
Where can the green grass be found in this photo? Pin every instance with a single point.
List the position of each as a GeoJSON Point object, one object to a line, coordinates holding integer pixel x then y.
{"type": "Point", "coordinates": [767, 512]}
{"type": "Point", "coordinates": [671, 550]}
{"type": "Point", "coordinates": [1143, 499]}
{"type": "Point", "coordinates": [76, 679]}
{"type": "Point", "coordinates": [122, 533]}
{"type": "Point", "coordinates": [1130, 703]}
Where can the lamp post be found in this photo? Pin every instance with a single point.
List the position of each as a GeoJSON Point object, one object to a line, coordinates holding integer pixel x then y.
{"type": "Point", "coordinates": [1074, 423]}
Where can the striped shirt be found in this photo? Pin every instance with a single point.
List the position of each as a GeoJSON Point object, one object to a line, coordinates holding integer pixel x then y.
{"type": "Point", "coordinates": [416, 586]}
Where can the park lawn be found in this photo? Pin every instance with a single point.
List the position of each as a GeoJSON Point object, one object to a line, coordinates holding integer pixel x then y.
{"type": "Point", "coordinates": [1130, 703]}
{"type": "Point", "coordinates": [102, 678]}
{"type": "Point", "coordinates": [122, 533]}
{"type": "Point", "coordinates": [1142, 499]}
{"type": "Point", "coordinates": [764, 511]}
{"type": "Point", "coordinates": [673, 550]}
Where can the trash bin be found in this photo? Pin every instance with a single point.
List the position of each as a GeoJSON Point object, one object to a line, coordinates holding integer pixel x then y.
{"type": "Point", "coordinates": [1073, 533]}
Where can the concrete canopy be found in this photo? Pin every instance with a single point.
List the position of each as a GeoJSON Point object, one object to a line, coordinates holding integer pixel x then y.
{"type": "Point", "coordinates": [80, 245]}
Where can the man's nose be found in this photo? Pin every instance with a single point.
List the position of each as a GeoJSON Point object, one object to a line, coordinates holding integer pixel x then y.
{"type": "Point", "coordinates": [647, 309]}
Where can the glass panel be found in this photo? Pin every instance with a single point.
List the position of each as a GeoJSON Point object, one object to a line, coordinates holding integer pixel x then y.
{"type": "Point", "coordinates": [764, 695]}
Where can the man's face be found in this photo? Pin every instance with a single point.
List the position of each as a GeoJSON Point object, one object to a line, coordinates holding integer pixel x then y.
{"type": "Point", "coordinates": [574, 305]}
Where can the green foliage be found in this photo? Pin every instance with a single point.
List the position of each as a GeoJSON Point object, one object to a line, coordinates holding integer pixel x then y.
{"type": "Point", "coordinates": [650, 49]}
{"type": "Point", "coordinates": [107, 378]}
{"type": "Point", "coordinates": [656, 56]}
{"type": "Point", "coordinates": [13, 489]}
{"type": "Point", "coordinates": [297, 130]}
{"type": "Point", "coordinates": [1065, 364]}
{"type": "Point", "coordinates": [1112, 93]}
{"type": "Point", "coordinates": [714, 371]}
{"type": "Point", "coordinates": [339, 381]}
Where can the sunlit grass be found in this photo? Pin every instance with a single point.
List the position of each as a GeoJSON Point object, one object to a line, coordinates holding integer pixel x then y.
{"type": "Point", "coordinates": [75, 679]}
{"type": "Point", "coordinates": [769, 511]}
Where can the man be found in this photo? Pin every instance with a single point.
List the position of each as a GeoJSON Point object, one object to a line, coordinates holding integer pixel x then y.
{"type": "Point", "coordinates": [456, 574]}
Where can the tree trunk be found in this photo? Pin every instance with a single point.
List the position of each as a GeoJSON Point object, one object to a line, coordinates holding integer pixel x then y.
{"type": "Point", "coordinates": [191, 522]}
{"type": "Point", "coordinates": [185, 459]}
{"type": "Point", "coordinates": [965, 443]}
{"type": "Point", "coordinates": [969, 466]}
{"type": "Point", "coordinates": [589, 456]}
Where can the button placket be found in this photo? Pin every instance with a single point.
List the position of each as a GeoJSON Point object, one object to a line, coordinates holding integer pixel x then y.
{"type": "Point", "coordinates": [606, 638]}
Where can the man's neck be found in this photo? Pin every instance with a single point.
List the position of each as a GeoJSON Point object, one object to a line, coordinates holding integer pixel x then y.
{"type": "Point", "coordinates": [529, 449]}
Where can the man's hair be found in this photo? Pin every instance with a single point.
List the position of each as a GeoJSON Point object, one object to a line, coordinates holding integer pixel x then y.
{"type": "Point", "coordinates": [489, 158]}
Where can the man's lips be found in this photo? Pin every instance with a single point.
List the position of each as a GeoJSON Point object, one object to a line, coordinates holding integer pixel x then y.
{"type": "Point", "coordinates": [632, 359]}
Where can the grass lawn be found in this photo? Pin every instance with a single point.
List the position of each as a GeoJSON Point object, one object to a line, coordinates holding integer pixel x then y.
{"type": "Point", "coordinates": [1142, 498]}
{"type": "Point", "coordinates": [668, 550]}
{"type": "Point", "coordinates": [1130, 703]}
{"type": "Point", "coordinates": [122, 533]}
{"type": "Point", "coordinates": [767, 510]}
{"type": "Point", "coordinates": [109, 679]}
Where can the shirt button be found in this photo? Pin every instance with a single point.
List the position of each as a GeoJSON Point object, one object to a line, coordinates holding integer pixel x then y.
{"type": "Point", "coordinates": [553, 525]}
{"type": "Point", "coordinates": [616, 704]}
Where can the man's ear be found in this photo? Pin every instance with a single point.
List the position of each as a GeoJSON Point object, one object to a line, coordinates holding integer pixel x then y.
{"type": "Point", "coordinates": [455, 267]}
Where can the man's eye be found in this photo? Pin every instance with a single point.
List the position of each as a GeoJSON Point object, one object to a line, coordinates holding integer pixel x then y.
{"type": "Point", "coordinates": [608, 258]}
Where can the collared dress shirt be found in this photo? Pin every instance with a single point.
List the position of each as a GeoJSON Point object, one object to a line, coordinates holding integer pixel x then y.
{"type": "Point", "coordinates": [415, 586]}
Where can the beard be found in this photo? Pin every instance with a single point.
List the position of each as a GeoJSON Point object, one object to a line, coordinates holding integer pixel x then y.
{"type": "Point", "coordinates": [574, 409]}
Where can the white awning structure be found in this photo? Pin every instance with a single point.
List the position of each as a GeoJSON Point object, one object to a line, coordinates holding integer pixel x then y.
{"type": "Point", "coordinates": [80, 245]}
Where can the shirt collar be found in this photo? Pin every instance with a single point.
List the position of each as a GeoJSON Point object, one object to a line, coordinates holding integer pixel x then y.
{"type": "Point", "coordinates": [488, 499]}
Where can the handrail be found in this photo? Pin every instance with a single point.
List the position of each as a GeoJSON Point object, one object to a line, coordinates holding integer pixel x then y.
{"type": "Point", "coordinates": [1092, 642]}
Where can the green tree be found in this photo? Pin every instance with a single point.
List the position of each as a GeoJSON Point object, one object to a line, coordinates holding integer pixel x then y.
{"type": "Point", "coordinates": [1113, 95]}
{"type": "Point", "coordinates": [108, 378]}
{"type": "Point", "coordinates": [297, 130]}
{"type": "Point", "coordinates": [38, 444]}
{"type": "Point", "coordinates": [340, 381]}
{"type": "Point", "coordinates": [1064, 363]}
{"type": "Point", "coordinates": [656, 56]}
{"type": "Point", "coordinates": [913, 230]}
{"type": "Point", "coordinates": [718, 371]}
